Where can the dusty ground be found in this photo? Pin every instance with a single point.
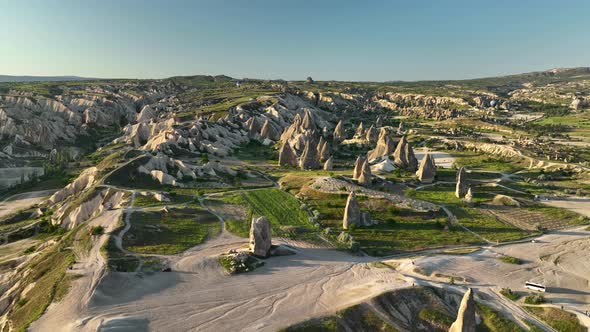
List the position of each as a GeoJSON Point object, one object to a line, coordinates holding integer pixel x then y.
{"type": "Point", "coordinates": [198, 295]}
{"type": "Point", "coordinates": [577, 204]}
{"type": "Point", "coordinates": [64, 316]}
{"type": "Point", "coordinates": [21, 201]}
{"type": "Point", "coordinates": [559, 261]}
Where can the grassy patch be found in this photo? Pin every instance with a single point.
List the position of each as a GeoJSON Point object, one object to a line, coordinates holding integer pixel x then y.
{"type": "Point", "coordinates": [47, 272]}
{"type": "Point", "coordinates": [256, 151]}
{"type": "Point", "coordinates": [168, 233]}
{"type": "Point", "coordinates": [493, 321]}
{"type": "Point", "coordinates": [558, 319]}
{"type": "Point", "coordinates": [282, 210]}
{"type": "Point", "coordinates": [64, 286]}
{"type": "Point", "coordinates": [510, 260]}
{"type": "Point", "coordinates": [509, 294]}
{"type": "Point", "coordinates": [435, 317]}
{"type": "Point", "coordinates": [483, 162]}
{"type": "Point", "coordinates": [151, 201]}
{"type": "Point", "coordinates": [238, 227]}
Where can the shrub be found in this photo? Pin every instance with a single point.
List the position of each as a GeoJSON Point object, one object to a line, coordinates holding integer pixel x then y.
{"type": "Point", "coordinates": [30, 250]}
{"type": "Point", "coordinates": [510, 260]}
{"type": "Point", "coordinates": [22, 302]}
{"type": "Point", "coordinates": [97, 230]}
{"type": "Point", "coordinates": [534, 299]}
{"type": "Point", "coordinates": [508, 293]}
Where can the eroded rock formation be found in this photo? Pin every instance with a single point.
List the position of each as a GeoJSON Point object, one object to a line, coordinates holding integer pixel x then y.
{"type": "Point", "coordinates": [404, 157]}
{"type": "Point", "coordinates": [365, 177]}
{"type": "Point", "coordinates": [309, 158]}
{"type": "Point", "coordinates": [260, 237]}
{"type": "Point", "coordinates": [358, 167]}
{"type": "Point", "coordinates": [462, 185]}
{"type": "Point", "coordinates": [427, 170]}
{"type": "Point", "coordinates": [352, 213]}
{"type": "Point", "coordinates": [384, 148]}
{"type": "Point", "coordinates": [329, 164]}
{"type": "Point", "coordinates": [465, 321]}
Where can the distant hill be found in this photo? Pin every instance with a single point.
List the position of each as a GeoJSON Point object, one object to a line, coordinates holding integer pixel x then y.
{"type": "Point", "coordinates": [8, 78]}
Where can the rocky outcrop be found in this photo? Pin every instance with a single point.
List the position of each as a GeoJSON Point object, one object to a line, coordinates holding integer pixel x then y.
{"type": "Point", "coordinates": [358, 167]}
{"type": "Point", "coordinates": [352, 212]}
{"type": "Point", "coordinates": [384, 148]}
{"type": "Point", "coordinates": [146, 115]}
{"type": "Point", "coordinates": [427, 170]}
{"type": "Point", "coordinates": [268, 131]}
{"type": "Point", "coordinates": [465, 321]}
{"type": "Point", "coordinates": [365, 177]}
{"type": "Point", "coordinates": [469, 196]}
{"type": "Point", "coordinates": [462, 183]}
{"type": "Point", "coordinates": [360, 131]}
{"type": "Point", "coordinates": [329, 164]}
{"type": "Point", "coordinates": [286, 156]}
{"type": "Point", "coordinates": [578, 103]}
{"type": "Point", "coordinates": [404, 157]}
{"type": "Point", "coordinates": [260, 237]}
{"type": "Point", "coordinates": [70, 217]}
{"type": "Point", "coordinates": [85, 180]}
{"type": "Point", "coordinates": [309, 158]}
{"type": "Point", "coordinates": [339, 132]}
{"type": "Point", "coordinates": [505, 200]}
{"type": "Point", "coordinates": [384, 166]}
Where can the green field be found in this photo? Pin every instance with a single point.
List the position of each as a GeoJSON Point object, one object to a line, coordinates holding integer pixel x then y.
{"type": "Point", "coordinates": [398, 229]}
{"type": "Point", "coordinates": [558, 319]}
{"type": "Point", "coordinates": [169, 233]}
{"type": "Point", "coordinates": [475, 220]}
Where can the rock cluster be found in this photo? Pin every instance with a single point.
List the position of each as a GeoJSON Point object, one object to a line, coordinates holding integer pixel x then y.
{"type": "Point", "coordinates": [462, 185]}
{"type": "Point", "coordinates": [352, 212]}
{"type": "Point", "coordinates": [286, 156]}
{"type": "Point", "coordinates": [404, 157]}
{"type": "Point", "coordinates": [427, 169]}
{"type": "Point", "coordinates": [309, 158]}
{"type": "Point", "coordinates": [465, 321]}
{"type": "Point", "coordinates": [358, 167]}
{"type": "Point", "coordinates": [260, 237]}
{"type": "Point", "coordinates": [385, 146]}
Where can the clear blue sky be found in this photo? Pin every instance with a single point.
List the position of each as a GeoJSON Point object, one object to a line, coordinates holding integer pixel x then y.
{"type": "Point", "coordinates": [341, 40]}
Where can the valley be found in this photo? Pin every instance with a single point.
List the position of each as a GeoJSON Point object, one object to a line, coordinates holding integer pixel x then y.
{"type": "Point", "coordinates": [197, 203]}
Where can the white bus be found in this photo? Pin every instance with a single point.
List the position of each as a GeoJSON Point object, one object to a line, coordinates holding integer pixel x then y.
{"type": "Point", "coordinates": [535, 286]}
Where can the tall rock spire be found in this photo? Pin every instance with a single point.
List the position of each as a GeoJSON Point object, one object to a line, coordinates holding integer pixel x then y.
{"type": "Point", "coordinates": [466, 316]}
